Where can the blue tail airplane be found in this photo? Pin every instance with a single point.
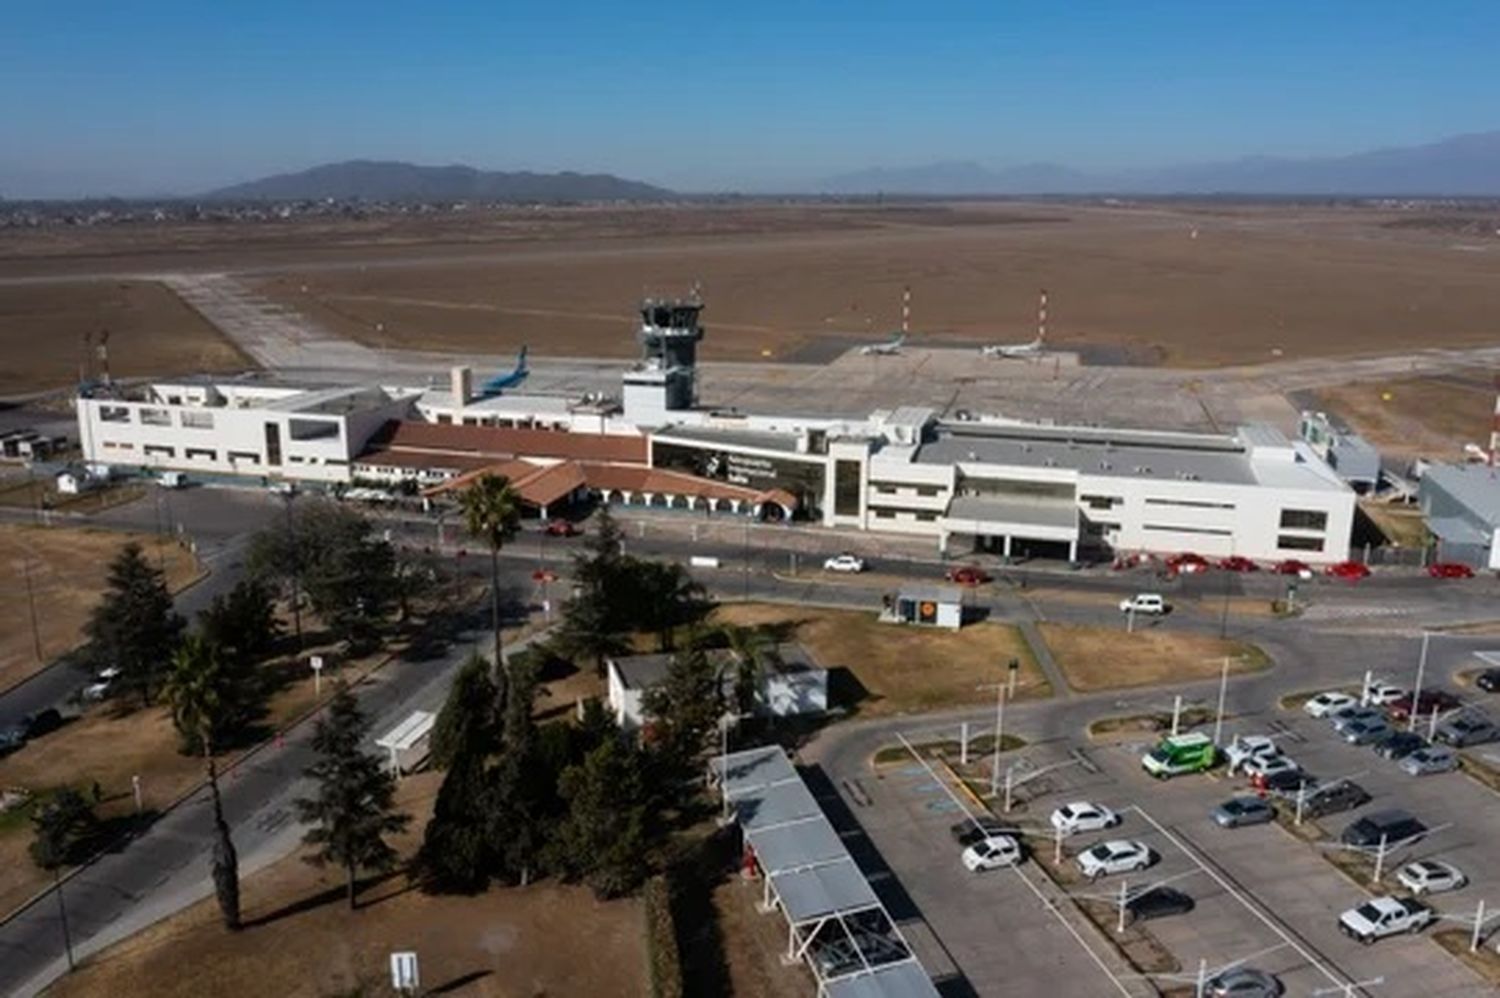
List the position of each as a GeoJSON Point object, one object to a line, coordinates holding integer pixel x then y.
{"type": "Point", "coordinates": [500, 382]}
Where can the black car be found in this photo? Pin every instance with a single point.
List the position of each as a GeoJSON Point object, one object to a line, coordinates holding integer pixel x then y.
{"type": "Point", "coordinates": [972, 830]}
{"type": "Point", "coordinates": [1392, 827]}
{"type": "Point", "coordinates": [1288, 783]}
{"type": "Point", "coordinates": [1158, 902]}
{"type": "Point", "coordinates": [1399, 744]}
{"type": "Point", "coordinates": [1344, 795]}
{"type": "Point", "coordinates": [42, 723]}
{"type": "Point", "coordinates": [1488, 680]}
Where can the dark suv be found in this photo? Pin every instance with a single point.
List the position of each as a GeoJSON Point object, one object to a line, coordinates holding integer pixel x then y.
{"type": "Point", "coordinates": [1333, 798]}
{"type": "Point", "coordinates": [1394, 826]}
{"type": "Point", "coordinates": [1158, 902]}
{"type": "Point", "coordinates": [972, 830]}
{"type": "Point", "coordinates": [1399, 744]}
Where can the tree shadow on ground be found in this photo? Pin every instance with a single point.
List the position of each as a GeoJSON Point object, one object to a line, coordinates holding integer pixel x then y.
{"type": "Point", "coordinates": [694, 876]}
{"type": "Point", "coordinates": [334, 895]}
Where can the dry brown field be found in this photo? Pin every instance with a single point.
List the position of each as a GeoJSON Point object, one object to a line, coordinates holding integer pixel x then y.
{"type": "Point", "coordinates": [301, 939]}
{"type": "Point", "coordinates": [68, 568]}
{"type": "Point", "coordinates": [1182, 284]}
{"type": "Point", "coordinates": [1418, 417]}
{"type": "Point", "coordinates": [151, 332]}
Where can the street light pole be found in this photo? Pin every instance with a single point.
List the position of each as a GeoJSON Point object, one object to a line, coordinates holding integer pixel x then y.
{"type": "Point", "coordinates": [1416, 691]}
{"type": "Point", "coordinates": [1223, 689]}
{"type": "Point", "coordinates": [999, 738]}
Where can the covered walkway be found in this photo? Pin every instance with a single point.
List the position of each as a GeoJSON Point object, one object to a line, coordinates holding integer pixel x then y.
{"type": "Point", "coordinates": [1005, 521]}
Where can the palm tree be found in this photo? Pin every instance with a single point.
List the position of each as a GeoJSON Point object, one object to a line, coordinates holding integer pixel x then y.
{"type": "Point", "coordinates": [753, 649]}
{"type": "Point", "coordinates": [492, 514]}
{"type": "Point", "coordinates": [198, 690]}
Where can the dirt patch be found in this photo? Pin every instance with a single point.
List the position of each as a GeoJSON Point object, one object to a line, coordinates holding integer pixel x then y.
{"type": "Point", "coordinates": [893, 669]}
{"type": "Point", "coordinates": [1148, 724]}
{"type": "Point", "coordinates": [754, 944]}
{"type": "Point", "coordinates": [1418, 417]}
{"type": "Point", "coordinates": [511, 942]}
{"type": "Point", "coordinates": [68, 568]}
{"type": "Point", "coordinates": [151, 333]}
{"type": "Point", "coordinates": [1095, 658]}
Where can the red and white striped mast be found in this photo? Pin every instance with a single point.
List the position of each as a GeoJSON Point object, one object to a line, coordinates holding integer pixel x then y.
{"type": "Point", "coordinates": [906, 310]}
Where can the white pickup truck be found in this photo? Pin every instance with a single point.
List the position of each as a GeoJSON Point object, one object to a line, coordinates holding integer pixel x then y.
{"type": "Point", "coordinates": [1247, 747]}
{"type": "Point", "coordinates": [1385, 916]}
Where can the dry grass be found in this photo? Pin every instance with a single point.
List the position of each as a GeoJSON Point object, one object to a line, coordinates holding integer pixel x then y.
{"type": "Point", "coordinates": [754, 944]}
{"type": "Point", "coordinates": [1418, 417]}
{"type": "Point", "coordinates": [1294, 701]}
{"type": "Point", "coordinates": [68, 567]}
{"type": "Point", "coordinates": [1485, 961]}
{"type": "Point", "coordinates": [1127, 725]}
{"type": "Point", "coordinates": [303, 940]}
{"type": "Point", "coordinates": [1095, 658]}
{"type": "Point", "coordinates": [902, 669]}
{"type": "Point", "coordinates": [151, 333]}
{"type": "Point", "coordinates": [1480, 771]}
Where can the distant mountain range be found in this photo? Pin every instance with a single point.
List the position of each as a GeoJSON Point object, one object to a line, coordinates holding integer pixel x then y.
{"type": "Point", "coordinates": [1467, 165]}
{"type": "Point", "coordinates": [384, 181]}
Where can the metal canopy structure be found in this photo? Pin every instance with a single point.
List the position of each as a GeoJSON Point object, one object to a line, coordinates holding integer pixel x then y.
{"type": "Point", "coordinates": [835, 921]}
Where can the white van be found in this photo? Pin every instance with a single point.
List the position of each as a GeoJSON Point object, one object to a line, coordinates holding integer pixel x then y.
{"type": "Point", "coordinates": [1151, 603]}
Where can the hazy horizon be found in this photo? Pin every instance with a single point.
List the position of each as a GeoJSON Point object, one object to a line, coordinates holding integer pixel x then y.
{"type": "Point", "coordinates": [179, 99]}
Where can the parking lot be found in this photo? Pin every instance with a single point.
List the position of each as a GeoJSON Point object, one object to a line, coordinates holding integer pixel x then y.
{"type": "Point", "coordinates": [1262, 894]}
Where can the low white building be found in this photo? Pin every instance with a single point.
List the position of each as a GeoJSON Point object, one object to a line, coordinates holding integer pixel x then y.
{"type": "Point", "coordinates": [238, 429]}
{"type": "Point", "coordinates": [791, 682]}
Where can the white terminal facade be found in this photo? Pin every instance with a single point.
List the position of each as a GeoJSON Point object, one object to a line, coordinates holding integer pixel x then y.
{"type": "Point", "coordinates": [990, 484]}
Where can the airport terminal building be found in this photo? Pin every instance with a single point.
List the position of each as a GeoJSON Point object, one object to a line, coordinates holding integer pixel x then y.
{"type": "Point", "coordinates": [977, 484]}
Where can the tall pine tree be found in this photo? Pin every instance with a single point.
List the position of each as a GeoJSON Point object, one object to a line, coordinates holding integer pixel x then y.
{"type": "Point", "coordinates": [133, 628]}
{"type": "Point", "coordinates": [603, 838]}
{"type": "Point", "coordinates": [354, 808]}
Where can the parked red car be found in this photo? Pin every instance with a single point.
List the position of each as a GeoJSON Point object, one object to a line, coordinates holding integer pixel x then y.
{"type": "Point", "coordinates": [561, 528]}
{"type": "Point", "coordinates": [1450, 570]}
{"type": "Point", "coordinates": [1238, 563]}
{"type": "Point", "coordinates": [1427, 701]}
{"type": "Point", "coordinates": [968, 575]}
{"type": "Point", "coordinates": [1350, 571]}
{"type": "Point", "coordinates": [1291, 566]}
{"type": "Point", "coordinates": [1187, 563]}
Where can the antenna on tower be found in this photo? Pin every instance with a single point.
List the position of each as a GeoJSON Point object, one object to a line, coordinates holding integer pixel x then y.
{"type": "Point", "coordinates": [104, 356]}
{"type": "Point", "coordinates": [1495, 428]}
{"type": "Point", "coordinates": [1041, 316]}
{"type": "Point", "coordinates": [86, 359]}
{"type": "Point", "coordinates": [906, 310]}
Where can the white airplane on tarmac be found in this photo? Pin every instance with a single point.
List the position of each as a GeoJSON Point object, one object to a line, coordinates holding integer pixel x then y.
{"type": "Point", "coordinates": [1024, 350]}
{"type": "Point", "coordinates": [1014, 350]}
{"type": "Point", "coordinates": [885, 349]}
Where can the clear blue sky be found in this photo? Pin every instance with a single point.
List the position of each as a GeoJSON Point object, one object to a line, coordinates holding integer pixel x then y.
{"type": "Point", "coordinates": [153, 96]}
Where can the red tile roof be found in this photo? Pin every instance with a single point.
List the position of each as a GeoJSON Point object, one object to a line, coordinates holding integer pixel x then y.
{"type": "Point", "coordinates": [497, 442]}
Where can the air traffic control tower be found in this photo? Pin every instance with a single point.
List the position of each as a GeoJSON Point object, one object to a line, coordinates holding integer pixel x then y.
{"type": "Point", "coordinates": [665, 379]}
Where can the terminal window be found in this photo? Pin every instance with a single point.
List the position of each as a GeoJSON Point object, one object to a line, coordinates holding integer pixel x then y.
{"type": "Point", "coordinates": [1288, 542]}
{"type": "Point", "coordinates": [1304, 519]}
{"type": "Point", "coordinates": [846, 488]}
{"type": "Point", "coordinates": [156, 417]}
{"type": "Point", "coordinates": [114, 413]}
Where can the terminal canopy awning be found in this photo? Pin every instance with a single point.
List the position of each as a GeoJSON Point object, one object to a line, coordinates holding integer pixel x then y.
{"type": "Point", "coordinates": [1042, 521]}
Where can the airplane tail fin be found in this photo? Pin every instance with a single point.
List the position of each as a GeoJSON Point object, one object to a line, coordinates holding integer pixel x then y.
{"type": "Point", "coordinates": [521, 360]}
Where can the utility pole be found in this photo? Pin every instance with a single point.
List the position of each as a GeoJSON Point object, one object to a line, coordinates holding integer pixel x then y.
{"type": "Point", "coordinates": [1223, 689]}
{"type": "Point", "coordinates": [1176, 713]}
{"type": "Point", "coordinates": [291, 537]}
{"type": "Point", "coordinates": [36, 634]}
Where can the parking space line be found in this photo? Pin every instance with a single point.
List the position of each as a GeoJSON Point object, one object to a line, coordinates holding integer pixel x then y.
{"type": "Point", "coordinates": [1046, 903]}
{"type": "Point", "coordinates": [1271, 923]}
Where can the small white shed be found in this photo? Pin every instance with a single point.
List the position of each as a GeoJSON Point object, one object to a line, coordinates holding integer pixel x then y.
{"type": "Point", "coordinates": [928, 606]}
{"type": "Point", "coordinates": [409, 743]}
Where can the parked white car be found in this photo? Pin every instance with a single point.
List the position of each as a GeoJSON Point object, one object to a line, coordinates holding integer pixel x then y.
{"type": "Point", "coordinates": [1115, 856]}
{"type": "Point", "coordinates": [1247, 747]}
{"type": "Point", "coordinates": [844, 563]}
{"type": "Point", "coordinates": [1147, 603]}
{"type": "Point", "coordinates": [1326, 703]}
{"type": "Point", "coordinates": [1431, 876]}
{"type": "Point", "coordinates": [1385, 916]}
{"type": "Point", "coordinates": [1269, 765]}
{"type": "Point", "coordinates": [1082, 816]}
{"type": "Point", "coordinates": [992, 853]}
{"type": "Point", "coordinates": [1381, 693]}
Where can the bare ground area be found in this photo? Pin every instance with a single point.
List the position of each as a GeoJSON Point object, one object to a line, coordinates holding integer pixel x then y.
{"type": "Point", "coordinates": [896, 669]}
{"type": "Point", "coordinates": [1192, 285]}
{"type": "Point", "coordinates": [1097, 658]}
{"type": "Point", "coordinates": [68, 567]}
{"type": "Point", "coordinates": [301, 939]}
{"type": "Point", "coordinates": [1418, 417]}
{"type": "Point", "coordinates": [151, 332]}
{"type": "Point", "coordinates": [1136, 284]}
